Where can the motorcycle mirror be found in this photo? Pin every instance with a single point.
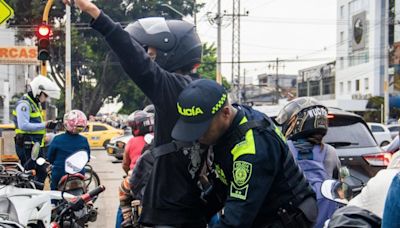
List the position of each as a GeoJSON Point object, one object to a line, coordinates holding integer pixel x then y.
{"type": "Point", "coordinates": [76, 162]}
{"type": "Point", "coordinates": [40, 161]}
{"type": "Point", "coordinates": [35, 151]}
{"type": "Point", "coordinates": [337, 191]}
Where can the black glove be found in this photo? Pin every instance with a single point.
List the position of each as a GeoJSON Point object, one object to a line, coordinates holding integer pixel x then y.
{"type": "Point", "coordinates": [51, 124]}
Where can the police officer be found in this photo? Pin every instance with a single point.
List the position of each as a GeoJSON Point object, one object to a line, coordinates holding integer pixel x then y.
{"type": "Point", "coordinates": [173, 54]}
{"type": "Point", "coordinates": [259, 181]}
{"type": "Point", "coordinates": [30, 126]}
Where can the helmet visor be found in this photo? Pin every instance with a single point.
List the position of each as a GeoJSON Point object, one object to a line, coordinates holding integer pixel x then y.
{"type": "Point", "coordinates": [154, 25]}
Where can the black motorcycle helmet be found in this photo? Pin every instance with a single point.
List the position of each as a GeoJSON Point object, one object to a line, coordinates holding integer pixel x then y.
{"type": "Point", "coordinates": [303, 117]}
{"type": "Point", "coordinates": [177, 43]}
{"type": "Point", "coordinates": [141, 122]}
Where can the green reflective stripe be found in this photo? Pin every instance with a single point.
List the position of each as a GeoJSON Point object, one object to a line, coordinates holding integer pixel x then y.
{"type": "Point", "coordinates": [38, 112]}
{"type": "Point", "coordinates": [35, 115]}
{"type": "Point", "coordinates": [247, 146]}
{"type": "Point", "coordinates": [39, 132]}
{"type": "Point", "coordinates": [279, 133]}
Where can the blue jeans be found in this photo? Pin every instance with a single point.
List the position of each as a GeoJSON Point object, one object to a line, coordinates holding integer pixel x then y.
{"type": "Point", "coordinates": [119, 218]}
{"type": "Point", "coordinates": [391, 212]}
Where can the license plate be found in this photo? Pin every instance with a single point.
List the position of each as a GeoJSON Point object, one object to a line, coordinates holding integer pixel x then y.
{"type": "Point", "coordinates": [110, 150]}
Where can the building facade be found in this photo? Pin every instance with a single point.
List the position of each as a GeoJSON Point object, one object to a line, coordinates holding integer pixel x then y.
{"type": "Point", "coordinates": [362, 51]}
{"type": "Point", "coordinates": [317, 81]}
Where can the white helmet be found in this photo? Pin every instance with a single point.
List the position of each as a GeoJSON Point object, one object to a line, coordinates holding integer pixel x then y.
{"type": "Point", "coordinates": [43, 84]}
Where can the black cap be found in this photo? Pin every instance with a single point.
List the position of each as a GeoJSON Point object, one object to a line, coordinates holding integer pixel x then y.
{"type": "Point", "coordinates": [197, 105]}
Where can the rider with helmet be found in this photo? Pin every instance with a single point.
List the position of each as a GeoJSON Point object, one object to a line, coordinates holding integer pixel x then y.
{"type": "Point", "coordinates": [304, 123]}
{"type": "Point", "coordinates": [160, 56]}
{"type": "Point", "coordinates": [66, 144]}
{"type": "Point", "coordinates": [30, 126]}
{"type": "Point", "coordinates": [141, 124]}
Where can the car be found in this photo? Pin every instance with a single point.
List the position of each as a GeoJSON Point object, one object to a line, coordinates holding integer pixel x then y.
{"type": "Point", "coordinates": [381, 133]}
{"type": "Point", "coordinates": [100, 134]}
{"type": "Point", "coordinates": [394, 130]}
{"type": "Point", "coordinates": [116, 146]}
{"type": "Point", "coordinates": [356, 146]}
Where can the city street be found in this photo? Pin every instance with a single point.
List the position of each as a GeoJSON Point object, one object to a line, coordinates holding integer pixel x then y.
{"type": "Point", "coordinates": [110, 176]}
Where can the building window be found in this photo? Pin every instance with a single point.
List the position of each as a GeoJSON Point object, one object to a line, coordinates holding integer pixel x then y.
{"type": "Point", "coordinates": [341, 63]}
{"type": "Point", "coordinates": [341, 87]}
{"type": "Point", "coordinates": [357, 85]}
{"type": "Point", "coordinates": [328, 85]}
{"type": "Point", "coordinates": [341, 37]}
{"type": "Point", "coordinates": [366, 83]}
{"type": "Point", "coordinates": [315, 88]}
{"type": "Point", "coordinates": [348, 86]}
{"type": "Point", "coordinates": [341, 12]}
{"type": "Point", "coordinates": [302, 87]}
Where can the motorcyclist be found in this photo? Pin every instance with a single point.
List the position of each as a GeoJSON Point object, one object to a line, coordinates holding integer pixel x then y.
{"type": "Point", "coordinates": [304, 123]}
{"type": "Point", "coordinates": [141, 124]}
{"type": "Point", "coordinates": [173, 53]}
{"type": "Point", "coordinates": [66, 144]}
{"type": "Point", "coordinates": [30, 126]}
{"type": "Point", "coordinates": [260, 183]}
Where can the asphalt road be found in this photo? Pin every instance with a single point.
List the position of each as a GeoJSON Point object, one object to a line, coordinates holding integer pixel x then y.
{"type": "Point", "coordinates": [110, 176]}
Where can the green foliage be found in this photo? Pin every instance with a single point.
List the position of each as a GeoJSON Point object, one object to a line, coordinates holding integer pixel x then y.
{"type": "Point", "coordinates": [208, 66]}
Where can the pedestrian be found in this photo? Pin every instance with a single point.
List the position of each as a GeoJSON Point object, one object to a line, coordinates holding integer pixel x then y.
{"type": "Point", "coordinates": [258, 179]}
{"type": "Point", "coordinates": [161, 57]}
{"type": "Point", "coordinates": [30, 126]}
{"type": "Point", "coordinates": [304, 123]}
{"type": "Point", "coordinates": [66, 144]}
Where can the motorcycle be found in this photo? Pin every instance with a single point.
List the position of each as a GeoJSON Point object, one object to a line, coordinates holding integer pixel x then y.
{"type": "Point", "coordinates": [347, 215]}
{"type": "Point", "coordinates": [20, 204]}
{"type": "Point", "coordinates": [75, 183]}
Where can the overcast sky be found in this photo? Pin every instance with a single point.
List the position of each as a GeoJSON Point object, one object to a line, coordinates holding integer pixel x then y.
{"type": "Point", "coordinates": [287, 29]}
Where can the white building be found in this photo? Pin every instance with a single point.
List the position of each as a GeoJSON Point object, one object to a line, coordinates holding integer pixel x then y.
{"type": "Point", "coordinates": [361, 59]}
{"type": "Point", "coordinates": [13, 78]}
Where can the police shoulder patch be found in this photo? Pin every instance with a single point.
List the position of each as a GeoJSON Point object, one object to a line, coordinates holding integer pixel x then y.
{"type": "Point", "coordinates": [241, 173]}
{"type": "Point", "coordinates": [23, 108]}
{"type": "Point", "coordinates": [239, 192]}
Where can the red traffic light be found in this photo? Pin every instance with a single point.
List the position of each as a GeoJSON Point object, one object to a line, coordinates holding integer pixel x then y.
{"type": "Point", "coordinates": [43, 30]}
{"type": "Point", "coordinates": [43, 33]}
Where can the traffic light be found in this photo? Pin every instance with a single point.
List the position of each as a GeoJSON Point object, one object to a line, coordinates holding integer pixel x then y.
{"type": "Point", "coordinates": [43, 35]}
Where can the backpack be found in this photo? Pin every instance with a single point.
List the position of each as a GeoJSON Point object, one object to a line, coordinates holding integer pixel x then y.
{"type": "Point", "coordinates": [142, 171]}
{"type": "Point", "coordinates": [311, 163]}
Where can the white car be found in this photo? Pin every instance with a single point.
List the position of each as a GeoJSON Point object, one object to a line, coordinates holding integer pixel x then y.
{"type": "Point", "coordinates": [381, 133]}
{"type": "Point", "coordinates": [394, 129]}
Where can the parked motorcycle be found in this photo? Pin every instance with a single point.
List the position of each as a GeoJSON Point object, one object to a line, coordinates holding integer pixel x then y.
{"type": "Point", "coordinates": [20, 204]}
{"type": "Point", "coordinates": [75, 183]}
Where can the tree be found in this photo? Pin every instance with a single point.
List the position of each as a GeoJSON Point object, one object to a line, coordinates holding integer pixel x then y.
{"type": "Point", "coordinates": [96, 73]}
{"type": "Point", "coordinates": [208, 67]}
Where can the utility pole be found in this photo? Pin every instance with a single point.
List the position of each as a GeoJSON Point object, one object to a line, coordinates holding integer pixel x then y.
{"type": "Point", "coordinates": [68, 94]}
{"type": "Point", "coordinates": [386, 61]}
{"type": "Point", "coordinates": [218, 21]}
{"type": "Point", "coordinates": [276, 66]}
{"type": "Point", "coordinates": [235, 77]}
{"type": "Point", "coordinates": [276, 82]}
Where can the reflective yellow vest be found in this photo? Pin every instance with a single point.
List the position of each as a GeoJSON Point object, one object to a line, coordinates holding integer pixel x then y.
{"type": "Point", "coordinates": [35, 116]}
